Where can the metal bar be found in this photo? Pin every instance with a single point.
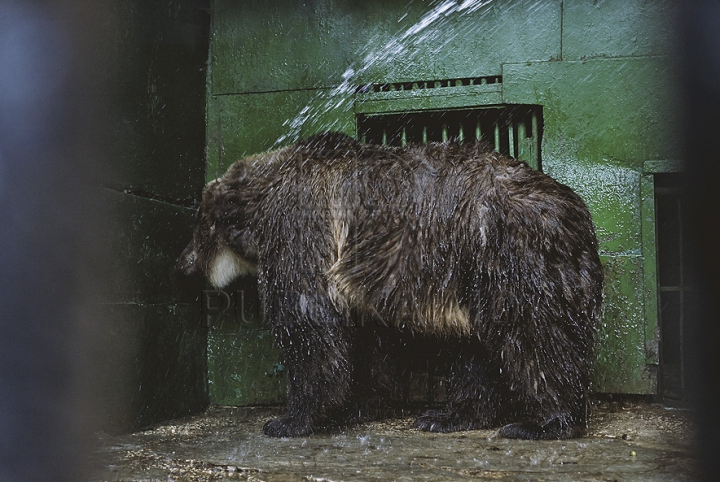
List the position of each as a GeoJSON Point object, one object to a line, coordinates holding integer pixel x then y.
{"type": "Point", "coordinates": [671, 289]}
{"type": "Point", "coordinates": [649, 250]}
{"type": "Point", "coordinates": [536, 139]}
{"type": "Point", "coordinates": [668, 190]}
{"type": "Point", "coordinates": [521, 138]}
{"type": "Point", "coordinates": [511, 140]}
{"type": "Point", "coordinates": [682, 298]}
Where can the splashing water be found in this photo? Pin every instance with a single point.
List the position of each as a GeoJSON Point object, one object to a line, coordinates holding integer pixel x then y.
{"type": "Point", "coordinates": [340, 98]}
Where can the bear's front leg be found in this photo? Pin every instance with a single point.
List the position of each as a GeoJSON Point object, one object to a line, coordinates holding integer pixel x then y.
{"type": "Point", "coordinates": [316, 356]}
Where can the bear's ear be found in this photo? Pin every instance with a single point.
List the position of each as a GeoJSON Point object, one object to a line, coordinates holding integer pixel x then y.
{"type": "Point", "coordinates": [209, 192]}
{"type": "Point", "coordinates": [237, 172]}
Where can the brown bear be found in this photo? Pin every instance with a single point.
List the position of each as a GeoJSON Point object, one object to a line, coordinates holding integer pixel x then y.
{"type": "Point", "coordinates": [468, 249]}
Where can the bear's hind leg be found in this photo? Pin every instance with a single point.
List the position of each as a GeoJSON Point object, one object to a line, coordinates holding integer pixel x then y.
{"type": "Point", "coordinates": [552, 396]}
{"type": "Point", "coordinates": [551, 419]}
{"type": "Point", "coordinates": [475, 398]}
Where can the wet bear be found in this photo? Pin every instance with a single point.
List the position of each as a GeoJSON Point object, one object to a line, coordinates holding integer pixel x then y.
{"type": "Point", "coordinates": [450, 242]}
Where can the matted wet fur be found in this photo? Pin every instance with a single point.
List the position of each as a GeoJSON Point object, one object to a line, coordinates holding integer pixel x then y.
{"type": "Point", "coordinates": [454, 243]}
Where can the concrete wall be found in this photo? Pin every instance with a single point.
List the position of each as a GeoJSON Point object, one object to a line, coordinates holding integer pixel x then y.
{"type": "Point", "coordinates": [154, 351]}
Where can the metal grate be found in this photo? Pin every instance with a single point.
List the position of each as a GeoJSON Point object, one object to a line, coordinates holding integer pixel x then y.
{"type": "Point", "coordinates": [515, 130]}
{"type": "Point", "coordinates": [429, 84]}
{"type": "Point", "coordinates": [677, 298]}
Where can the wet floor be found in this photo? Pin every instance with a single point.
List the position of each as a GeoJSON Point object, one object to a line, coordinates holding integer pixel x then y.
{"type": "Point", "coordinates": [625, 442]}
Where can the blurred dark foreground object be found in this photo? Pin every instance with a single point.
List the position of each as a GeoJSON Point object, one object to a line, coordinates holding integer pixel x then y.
{"type": "Point", "coordinates": [99, 101]}
{"type": "Point", "coordinates": [101, 160]}
{"type": "Point", "coordinates": [699, 67]}
{"type": "Point", "coordinates": [51, 137]}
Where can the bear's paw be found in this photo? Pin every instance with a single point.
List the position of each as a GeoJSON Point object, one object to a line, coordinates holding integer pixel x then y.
{"type": "Point", "coordinates": [444, 421]}
{"type": "Point", "coordinates": [554, 430]}
{"type": "Point", "coordinates": [286, 427]}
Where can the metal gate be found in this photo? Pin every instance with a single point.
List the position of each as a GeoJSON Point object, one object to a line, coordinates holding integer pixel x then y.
{"type": "Point", "coordinates": [514, 130]}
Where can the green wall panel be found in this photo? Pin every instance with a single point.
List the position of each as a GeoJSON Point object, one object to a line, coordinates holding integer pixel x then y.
{"type": "Point", "coordinates": [460, 45]}
{"type": "Point", "coordinates": [243, 361]}
{"type": "Point", "coordinates": [244, 366]}
{"type": "Point", "coordinates": [616, 28]}
{"type": "Point", "coordinates": [603, 119]}
{"type": "Point", "coordinates": [650, 268]}
{"type": "Point", "coordinates": [621, 365]}
{"type": "Point", "coordinates": [288, 45]}
{"type": "Point", "coordinates": [612, 194]}
{"type": "Point", "coordinates": [611, 111]}
{"type": "Point", "coordinates": [241, 125]}
{"type": "Point", "coordinates": [279, 45]}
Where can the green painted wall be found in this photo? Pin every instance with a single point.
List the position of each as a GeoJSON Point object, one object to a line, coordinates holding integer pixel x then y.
{"type": "Point", "coordinates": [600, 69]}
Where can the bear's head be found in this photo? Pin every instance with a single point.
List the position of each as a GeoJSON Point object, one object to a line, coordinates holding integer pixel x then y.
{"type": "Point", "coordinates": [222, 247]}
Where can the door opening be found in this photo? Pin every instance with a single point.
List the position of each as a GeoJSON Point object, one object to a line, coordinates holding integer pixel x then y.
{"type": "Point", "coordinates": [677, 297]}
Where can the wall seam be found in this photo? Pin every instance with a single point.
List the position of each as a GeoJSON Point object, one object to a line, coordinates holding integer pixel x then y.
{"type": "Point", "coordinates": [562, 28]}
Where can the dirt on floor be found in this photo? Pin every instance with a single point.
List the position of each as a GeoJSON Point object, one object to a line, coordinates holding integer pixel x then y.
{"type": "Point", "coordinates": [626, 441]}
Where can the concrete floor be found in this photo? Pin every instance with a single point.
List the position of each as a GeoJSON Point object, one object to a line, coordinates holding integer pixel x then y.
{"type": "Point", "coordinates": [625, 442]}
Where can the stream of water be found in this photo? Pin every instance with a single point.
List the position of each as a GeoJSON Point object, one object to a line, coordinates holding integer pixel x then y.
{"type": "Point", "coordinates": [428, 30]}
